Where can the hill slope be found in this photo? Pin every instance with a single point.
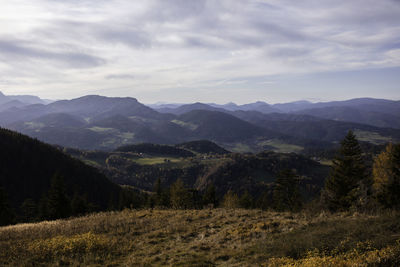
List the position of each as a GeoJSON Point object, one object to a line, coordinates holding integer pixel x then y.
{"type": "Point", "coordinates": [29, 165]}
{"type": "Point", "coordinates": [219, 126]}
{"type": "Point", "coordinates": [206, 237]}
{"type": "Point", "coordinates": [356, 114]}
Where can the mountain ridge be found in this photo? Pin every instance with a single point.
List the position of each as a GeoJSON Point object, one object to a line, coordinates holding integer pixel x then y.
{"type": "Point", "coordinates": [99, 122]}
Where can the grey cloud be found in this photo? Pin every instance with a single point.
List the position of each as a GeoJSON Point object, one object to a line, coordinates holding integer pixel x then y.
{"type": "Point", "coordinates": [11, 50]}
{"type": "Point", "coordinates": [175, 10]}
{"type": "Point", "coordinates": [289, 52]}
{"type": "Point", "coordinates": [129, 37]}
{"type": "Point", "coordinates": [279, 33]}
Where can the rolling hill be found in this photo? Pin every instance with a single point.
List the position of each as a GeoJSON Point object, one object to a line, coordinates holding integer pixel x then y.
{"type": "Point", "coordinates": [28, 166]}
{"type": "Point", "coordinates": [219, 126]}
{"type": "Point", "coordinates": [141, 165]}
{"type": "Point", "coordinates": [203, 147]}
{"type": "Point", "coordinates": [355, 114]}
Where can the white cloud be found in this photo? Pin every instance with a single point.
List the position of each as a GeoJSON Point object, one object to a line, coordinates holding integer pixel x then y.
{"type": "Point", "coordinates": [70, 48]}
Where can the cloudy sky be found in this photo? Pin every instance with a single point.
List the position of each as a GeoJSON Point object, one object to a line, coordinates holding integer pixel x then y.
{"type": "Point", "coordinates": [209, 51]}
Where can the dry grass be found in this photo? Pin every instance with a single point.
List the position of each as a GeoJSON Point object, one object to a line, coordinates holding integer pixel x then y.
{"type": "Point", "coordinates": [194, 238]}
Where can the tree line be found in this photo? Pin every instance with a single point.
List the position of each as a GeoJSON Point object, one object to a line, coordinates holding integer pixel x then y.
{"type": "Point", "coordinates": [350, 185]}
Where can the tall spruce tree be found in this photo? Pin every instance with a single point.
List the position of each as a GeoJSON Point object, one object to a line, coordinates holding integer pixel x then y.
{"type": "Point", "coordinates": [7, 215]}
{"type": "Point", "coordinates": [158, 190]}
{"type": "Point", "coordinates": [59, 205]}
{"type": "Point", "coordinates": [348, 173]}
{"type": "Point", "coordinates": [29, 210]}
{"type": "Point", "coordinates": [246, 201]}
{"type": "Point", "coordinates": [286, 194]}
{"type": "Point", "coordinates": [210, 197]}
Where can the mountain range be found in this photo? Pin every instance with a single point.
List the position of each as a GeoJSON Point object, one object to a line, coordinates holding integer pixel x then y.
{"type": "Point", "coordinates": [98, 122]}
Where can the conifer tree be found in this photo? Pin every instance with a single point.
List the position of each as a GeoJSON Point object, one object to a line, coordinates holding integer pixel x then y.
{"type": "Point", "coordinates": [209, 196]}
{"type": "Point", "coordinates": [59, 205]}
{"type": "Point", "coordinates": [7, 215]}
{"type": "Point", "coordinates": [246, 200]}
{"type": "Point", "coordinates": [29, 210]}
{"type": "Point", "coordinates": [347, 175]}
{"type": "Point", "coordinates": [79, 205]}
{"type": "Point", "coordinates": [43, 208]}
{"type": "Point", "coordinates": [158, 190]}
{"type": "Point", "coordinates": [286, 194]}
{"type": "Point", "coordinates": [265, 200]}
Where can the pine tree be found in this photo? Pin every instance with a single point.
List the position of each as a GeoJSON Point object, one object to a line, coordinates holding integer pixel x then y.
{"type": "Point", "coordinates": [246, 200]}
{"type": "Point", "coordinates": [286, 194]}
{"type": "Point", "coordinates": [265, 200]}
{"type": "Point", "coordinates": [29, 210]}
{"type": "Point", "coordinates": [158, 190]}
{"type": "Point", "coordinates": [7, 215]}
{"type": "Point", "coordinates": [59, 205]}
{"type": "Point", "coordinates": [209, 197]}
{"type": "Point", "coordinates": [43, 208]}
{"type": "Point", "coordinates": [79, 205]}
{"type": "Point", "coordinates": [347, 174]}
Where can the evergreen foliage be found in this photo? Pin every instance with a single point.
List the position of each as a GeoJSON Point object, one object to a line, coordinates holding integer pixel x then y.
{"type": "Point", "coordinates": [28, 169]}
{"type": "Point", "coordinates": [203, 147]}
{"type": "Point", "coordinates": [209, 196]}
{"type": "Point", "coordinates": [7, 215]}
{"type": "Point", "coordinates": [79, 205]}
{"type": "Point", "coordinates": [286, 195]}
{"type": "Point", "coordinates": [29, 210]}
{"type": "Point", "coordinates": [59, 205]}
{"type": "Point", "coordinates": [157, 197]}
{"type": "Point", "coordinates": [130, 198]}
{"type": "Point", "coordinates": [246, 200]}
{"type": "Point", "coordinates": [265, 200]}
{"type": "Point", "coordinates": [347, 175]}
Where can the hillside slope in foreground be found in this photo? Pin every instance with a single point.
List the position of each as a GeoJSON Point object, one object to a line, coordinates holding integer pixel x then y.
{"type": "Point", "coordinates": [205, 238]}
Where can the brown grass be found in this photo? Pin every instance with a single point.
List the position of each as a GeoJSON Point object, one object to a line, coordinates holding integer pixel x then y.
{"type": "Point", "coordinates": [193, 238]}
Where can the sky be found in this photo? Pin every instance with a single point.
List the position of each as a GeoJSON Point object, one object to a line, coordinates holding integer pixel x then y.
{"type": "Point", "coordinates": [181, 51]}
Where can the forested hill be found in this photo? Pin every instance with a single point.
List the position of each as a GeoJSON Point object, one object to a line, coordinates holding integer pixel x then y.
{"type": "Point", "coordinates": [28, 168]}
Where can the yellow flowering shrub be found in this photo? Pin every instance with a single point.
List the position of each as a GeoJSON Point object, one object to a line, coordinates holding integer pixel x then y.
{"type": "Point", "coordinates": [72, 245]}
{"type": "Point", "coordinates": [362, 255]}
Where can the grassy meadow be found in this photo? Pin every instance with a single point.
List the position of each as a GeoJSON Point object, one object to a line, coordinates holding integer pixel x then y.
{"type": "Point", "coordinates": [216, 237]}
